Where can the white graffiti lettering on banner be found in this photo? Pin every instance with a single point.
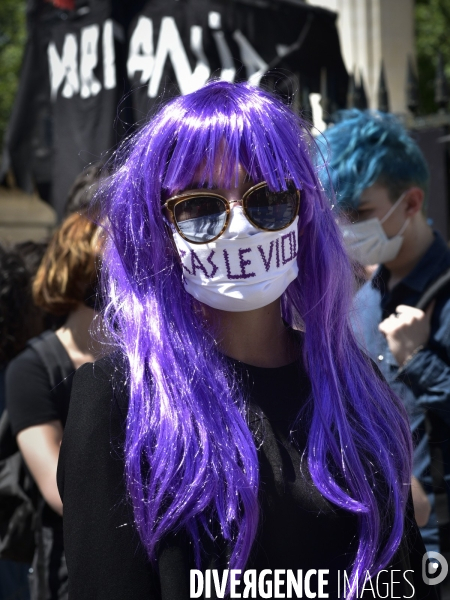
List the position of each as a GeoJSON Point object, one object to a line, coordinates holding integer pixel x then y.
{"type": "Point", "coordinates": [80, 79]}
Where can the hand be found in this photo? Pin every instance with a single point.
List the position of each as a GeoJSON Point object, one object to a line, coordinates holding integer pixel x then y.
{"type": "Point", "coordinates": [406, 330]}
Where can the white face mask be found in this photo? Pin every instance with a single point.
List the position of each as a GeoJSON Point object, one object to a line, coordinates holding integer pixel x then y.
{"type": "Point", "coordinates": [244, 269]}
{"type": "Point", "coordinates": [367, 242]}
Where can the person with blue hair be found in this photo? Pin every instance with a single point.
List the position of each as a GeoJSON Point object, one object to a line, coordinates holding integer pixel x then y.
{"type": "Point", "coordinates": [369, 147]}
{"type": "Point", "coordinates": [378, 180]}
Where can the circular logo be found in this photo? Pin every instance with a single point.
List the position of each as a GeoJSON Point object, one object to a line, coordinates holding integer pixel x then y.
{"type": "Point", "coordinates": [434, 568]}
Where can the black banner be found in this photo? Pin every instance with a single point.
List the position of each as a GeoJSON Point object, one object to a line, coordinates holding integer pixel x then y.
{"type": "Point", "coordinates": [82, 63]}
{"type": "Point", "coordinates": [175, 47]}
{"type": "Point", "coordinates": [85, 90]}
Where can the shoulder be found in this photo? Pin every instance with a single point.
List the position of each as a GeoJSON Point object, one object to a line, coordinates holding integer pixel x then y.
{"type": "Point", "coordinates": [91, 377]}
{"type": "Point", "coordinates": [27, 391]}
{"type": "Point", "coordinates": [26, 363]}
{"type": "Point", "coordinates": [32, 362]}
{"type": "Point", "coordinates": [97, 385]}
{"type": "Point", "coordinates": [105, 378]}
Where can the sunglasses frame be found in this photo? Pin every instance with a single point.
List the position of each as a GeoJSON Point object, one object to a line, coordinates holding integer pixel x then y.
{"type": "Point", "coordinates": [171, 203]}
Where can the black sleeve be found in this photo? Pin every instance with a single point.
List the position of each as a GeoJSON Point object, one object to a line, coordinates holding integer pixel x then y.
{"type": "Point", "coordinates": [105, 558]}
{"type": "Point", "coordinates": [28, 397]}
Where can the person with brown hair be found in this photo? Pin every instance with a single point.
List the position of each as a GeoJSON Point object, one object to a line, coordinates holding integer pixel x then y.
{"type": "Point", "coordinates": [65, 285]}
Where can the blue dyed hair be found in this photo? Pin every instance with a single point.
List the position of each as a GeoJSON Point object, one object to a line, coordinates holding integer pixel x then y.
{"type": "Point", "coordinates": [190, 456]}
{"type": "Point", "coordinates": [367, 147]}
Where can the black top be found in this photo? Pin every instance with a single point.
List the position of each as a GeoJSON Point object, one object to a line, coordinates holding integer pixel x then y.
{"type": "Point", "coordinates": [299, 529]}
{"type": "Point", "coordinates": [33, 399]}
{"type": "Point", "coordinates": [30, 397]}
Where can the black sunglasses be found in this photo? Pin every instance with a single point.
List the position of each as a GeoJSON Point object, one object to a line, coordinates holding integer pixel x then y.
{"type": "Point", "coordinates": [201, 217]}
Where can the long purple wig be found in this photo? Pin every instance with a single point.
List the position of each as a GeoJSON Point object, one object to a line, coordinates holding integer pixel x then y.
{"type": "Point", "coordinates": [190, 457]}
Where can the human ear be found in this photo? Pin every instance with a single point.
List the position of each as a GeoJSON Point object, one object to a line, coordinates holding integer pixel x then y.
{"type": "Point", "coordinates": [414, 198]}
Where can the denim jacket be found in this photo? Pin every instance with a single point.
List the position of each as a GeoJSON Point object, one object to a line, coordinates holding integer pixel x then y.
{"type": "Point", "coordinates": [424, 382]}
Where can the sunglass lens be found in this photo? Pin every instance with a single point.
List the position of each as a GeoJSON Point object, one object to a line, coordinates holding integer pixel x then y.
{"type": "Point", "coordinates": [200, 218]}
{"type": "Point", "coordinates": [273, 210]}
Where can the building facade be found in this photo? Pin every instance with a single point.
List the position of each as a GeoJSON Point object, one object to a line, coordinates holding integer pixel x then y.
{"type": "Point", "coordinates": [372, 32]}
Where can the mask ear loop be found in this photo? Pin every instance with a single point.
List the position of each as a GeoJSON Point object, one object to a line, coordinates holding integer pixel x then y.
{"type": "Point", "coordinates": [403, 227]}
{"type": "Point", "coordinates": [393, 207]}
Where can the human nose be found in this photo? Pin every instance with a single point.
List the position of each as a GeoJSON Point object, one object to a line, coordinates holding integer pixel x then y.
{"type": "Point", "coordinates": [235, 202]}
{"type": "Point", "coordinates": [239, 226]}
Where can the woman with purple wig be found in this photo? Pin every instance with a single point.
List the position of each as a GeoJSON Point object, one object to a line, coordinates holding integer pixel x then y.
{"type": "Point", "coordinates": [237, 427]}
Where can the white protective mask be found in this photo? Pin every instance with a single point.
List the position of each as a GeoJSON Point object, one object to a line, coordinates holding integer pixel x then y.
{"type": "Point", "coordinates": [245, 269]}
{"type": "Point", "coordinates": [367, 242]}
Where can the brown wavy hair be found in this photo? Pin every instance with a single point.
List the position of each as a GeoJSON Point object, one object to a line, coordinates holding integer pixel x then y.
{"type": "Point", "coordinates": [68, 271]}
